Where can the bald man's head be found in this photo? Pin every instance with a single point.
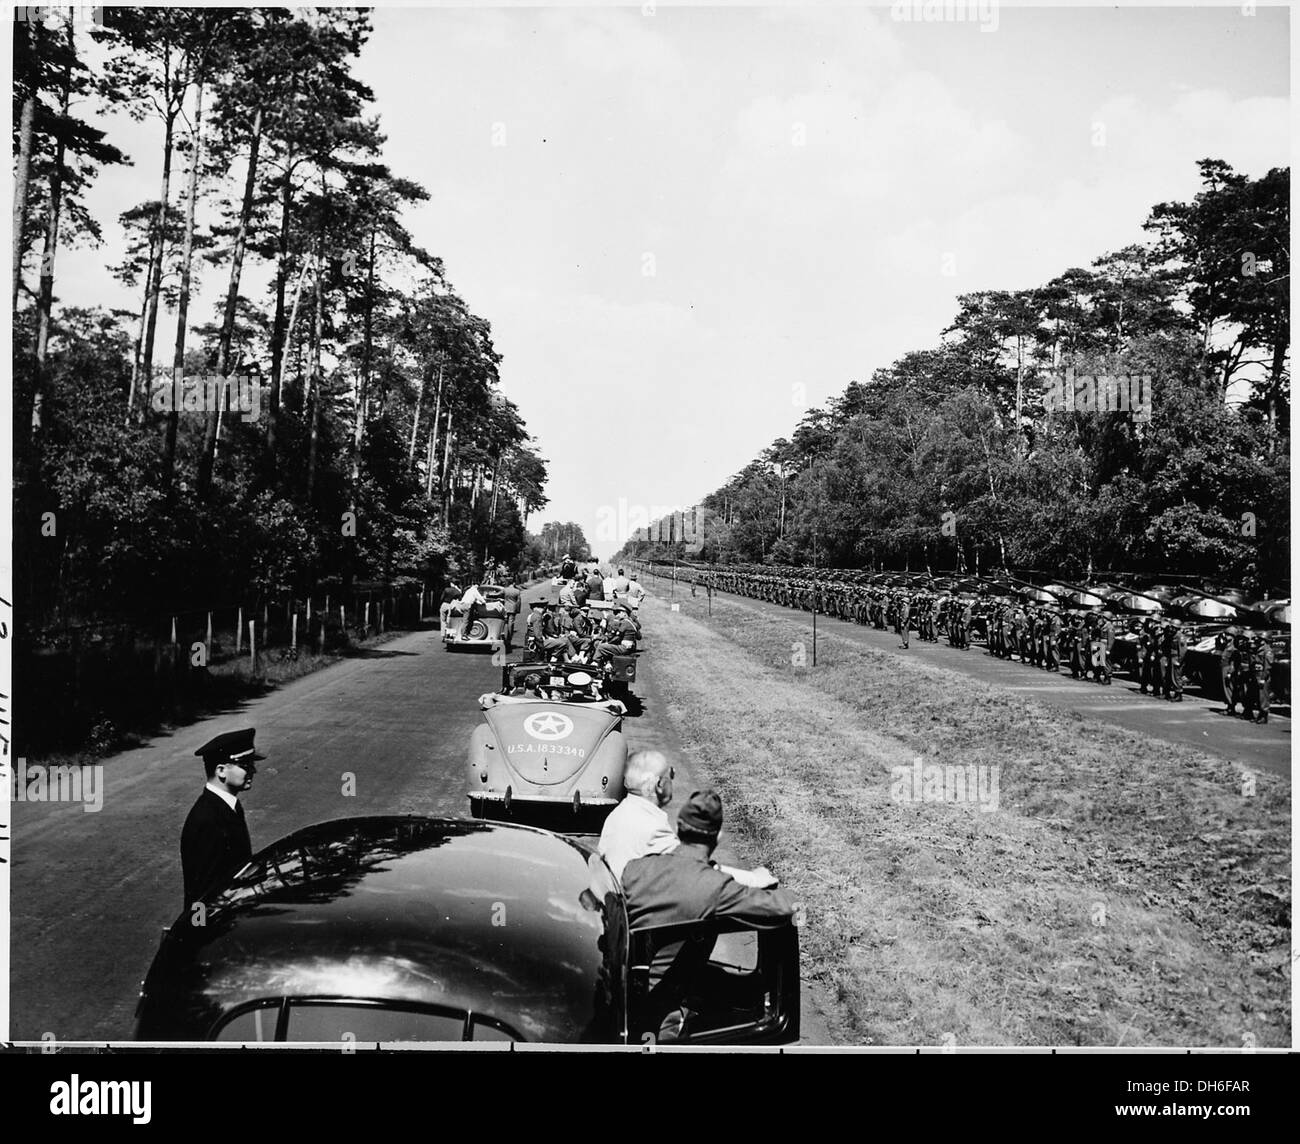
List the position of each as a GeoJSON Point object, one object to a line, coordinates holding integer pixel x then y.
{"type": "Point", "coordinates": [650, 775]}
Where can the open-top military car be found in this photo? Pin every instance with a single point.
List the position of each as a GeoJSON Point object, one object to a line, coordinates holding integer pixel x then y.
{"type": "Point", "coordinates": [551, 739]}
{"type": "Point", "coordinates": [412, 928]}
{"type": "Point", "coordinates": [491, 625]}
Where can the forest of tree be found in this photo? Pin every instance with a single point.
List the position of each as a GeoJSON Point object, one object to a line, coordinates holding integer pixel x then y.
{"type": "Point", "coordinates": [383, 449]}
{"type": "Point", "coordinates": [950, 458]}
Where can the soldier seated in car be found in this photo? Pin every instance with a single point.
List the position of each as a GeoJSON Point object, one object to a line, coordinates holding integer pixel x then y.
{"type": "Point", "coordinates": [682, 886]}
{"type": "Point", "coordinates": [544, 633]}
{"type": "Point", "coordinates": [620, 637]}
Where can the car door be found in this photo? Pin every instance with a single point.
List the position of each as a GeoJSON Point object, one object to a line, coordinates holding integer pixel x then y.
{"type": "Point", "coordinates": [741, 982]}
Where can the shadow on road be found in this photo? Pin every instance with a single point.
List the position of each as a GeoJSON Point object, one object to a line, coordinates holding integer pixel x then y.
{"type": "Point", "coordinates": [374, 653]}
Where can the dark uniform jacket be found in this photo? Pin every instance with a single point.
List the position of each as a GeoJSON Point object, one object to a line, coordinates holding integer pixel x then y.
{"type": "Point", "coordinates": [681, 886]}
{"type": "Point", "coordinates": [214, 844]}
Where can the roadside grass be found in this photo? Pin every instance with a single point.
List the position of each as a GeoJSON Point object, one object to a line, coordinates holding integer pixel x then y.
{"type": "Point", "coordinates": [1126, 891]}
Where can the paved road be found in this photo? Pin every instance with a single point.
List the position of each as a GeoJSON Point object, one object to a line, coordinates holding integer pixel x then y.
{"type": "Point", "coordinates": [1194, 722]}
{"type": "Point", "coordinates": [91, 891]}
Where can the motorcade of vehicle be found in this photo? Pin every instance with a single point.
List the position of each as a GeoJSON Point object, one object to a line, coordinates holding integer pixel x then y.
{"type": "Point", "coordinates": [550, 749]}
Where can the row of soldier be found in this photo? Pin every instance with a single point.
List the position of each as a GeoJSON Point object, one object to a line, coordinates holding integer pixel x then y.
{"type": "Point", "coordinates": [1043, 635]}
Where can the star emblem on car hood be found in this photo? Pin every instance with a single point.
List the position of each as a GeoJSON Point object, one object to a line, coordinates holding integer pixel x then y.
{"type": "Point", "coordinates": [548, 725]}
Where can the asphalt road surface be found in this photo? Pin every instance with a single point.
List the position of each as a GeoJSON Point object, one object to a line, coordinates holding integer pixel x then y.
{"type": "Point", "coordinates": [1194, 722]}
{"type": "Point", "coordinates": [91, 891]}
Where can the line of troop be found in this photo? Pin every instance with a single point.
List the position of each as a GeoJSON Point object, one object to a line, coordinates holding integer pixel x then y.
{"type": "Point", "coordinates": [1087, 634]}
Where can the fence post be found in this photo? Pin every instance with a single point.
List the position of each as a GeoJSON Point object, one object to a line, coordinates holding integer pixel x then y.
{"type": "Point", "coordinates": [239, 631]}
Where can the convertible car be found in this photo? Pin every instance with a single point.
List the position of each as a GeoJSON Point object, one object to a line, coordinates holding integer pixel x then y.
{"type": "Point", "coordinates": [365, 931]}
{"type": "Point", "coordinates": [492, 625]}
{"type": "Point", "coordinates": [551, 740]}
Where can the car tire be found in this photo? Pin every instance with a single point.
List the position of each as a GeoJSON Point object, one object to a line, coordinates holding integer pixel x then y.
{"type": "Point", "coordinates": [477, 631]}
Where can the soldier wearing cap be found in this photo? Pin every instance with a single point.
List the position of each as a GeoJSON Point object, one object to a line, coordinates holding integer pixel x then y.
{"type": "Point", "coordinates": [683, 886]}
{"type": "Point", "coordinates": [621, 634]}
{"type": "Point", "coordinates": [554, 636]}
{"type": "Point", "coordinates": [214, 839]}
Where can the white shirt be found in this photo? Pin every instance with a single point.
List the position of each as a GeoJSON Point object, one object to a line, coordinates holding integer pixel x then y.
{"type": "Point", "coordinates": [229, 799]}
{"type": "Point", "coordinates": [634, 829]}
{"type": "Point", "coordinates": [635, 592]}
{"type": "Point", "coordinates": [472, 596]}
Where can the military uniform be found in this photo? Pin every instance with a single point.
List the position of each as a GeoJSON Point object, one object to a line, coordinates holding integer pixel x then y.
{"type": "Point", "coordinates": [1259, 667]}
{"type": "Point", "coordinates": [1173, 649]}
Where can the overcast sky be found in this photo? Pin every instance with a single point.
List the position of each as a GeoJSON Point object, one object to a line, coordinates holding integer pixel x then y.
{"type": "Point", "coordinates": [688, 226]}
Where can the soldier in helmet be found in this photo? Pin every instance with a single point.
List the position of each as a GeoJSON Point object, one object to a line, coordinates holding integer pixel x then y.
{"type": "Point", "coordinates": [1104, 633]}
{"type": "Point", "coordinates": [1052, 640]}
{"type": "Point", "coordinates": [903, 618]}
{"type": "Point", "coordinates": [1225, 644]}
{"type": "Point", "coordinates": [1149, 656]}
{"type": "Point", "coordinates": [1173, 650]}
{"type": "Point", "coordinates": [1240, 681]}
{"type": "Point", "coordinates": [1076, 641]}
{"type": "Point", "coordinates": [1261, 665]}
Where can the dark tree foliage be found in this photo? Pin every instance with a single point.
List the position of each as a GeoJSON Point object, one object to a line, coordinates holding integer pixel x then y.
{"type": "Point", "coordinates": [955, 458]}
{"type": "Point", "coordinates": [378, 445]}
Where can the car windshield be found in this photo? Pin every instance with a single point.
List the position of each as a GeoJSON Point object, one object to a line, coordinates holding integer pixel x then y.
{"type": "Point", "coordinates": [349, 1020]}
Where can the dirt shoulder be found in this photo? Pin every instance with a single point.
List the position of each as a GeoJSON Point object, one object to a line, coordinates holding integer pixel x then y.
{"type": "Point", "coordinates": [1081, 884]}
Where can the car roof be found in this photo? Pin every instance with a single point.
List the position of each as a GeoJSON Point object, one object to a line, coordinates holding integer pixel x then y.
{"type": "Point", "coordinates": [489, 917]}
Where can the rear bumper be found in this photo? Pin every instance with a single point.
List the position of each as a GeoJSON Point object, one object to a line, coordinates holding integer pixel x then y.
{"type": "Point", "coordinates": [555, 799]}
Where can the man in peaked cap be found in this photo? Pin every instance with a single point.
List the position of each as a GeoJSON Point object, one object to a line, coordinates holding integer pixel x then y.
{"type": "Point", "coordinates": [214, 839]}
{"type": "Point", "coordinates": [684, 886]}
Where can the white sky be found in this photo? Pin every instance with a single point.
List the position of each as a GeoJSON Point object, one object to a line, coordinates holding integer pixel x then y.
{"type": "Point", "coordinates": [795, 178]}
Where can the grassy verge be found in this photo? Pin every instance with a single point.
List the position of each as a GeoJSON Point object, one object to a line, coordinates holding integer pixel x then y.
{"type": "Point", "coordinates": [1124, 891]}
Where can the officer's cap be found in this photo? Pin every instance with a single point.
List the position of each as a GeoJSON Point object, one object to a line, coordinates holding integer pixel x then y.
{"type": "Point", "coordinates": [232, 747]}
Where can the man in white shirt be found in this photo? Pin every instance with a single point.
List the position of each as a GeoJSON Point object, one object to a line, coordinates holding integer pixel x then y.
{"type": "Point", "coordinates": [470, 605]}
{"type": "Point", "coordinates": [635, 594]}
{"type": "Point", "coordinates": [621, 584]}
{"type": "Point", "coordinates": [639, 826]}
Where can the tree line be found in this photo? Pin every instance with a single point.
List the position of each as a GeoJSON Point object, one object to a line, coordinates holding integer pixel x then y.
{"type": "Point", "coordinates": [379, 445]}
{"type": "Point", "coordinates": [989, 449]}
